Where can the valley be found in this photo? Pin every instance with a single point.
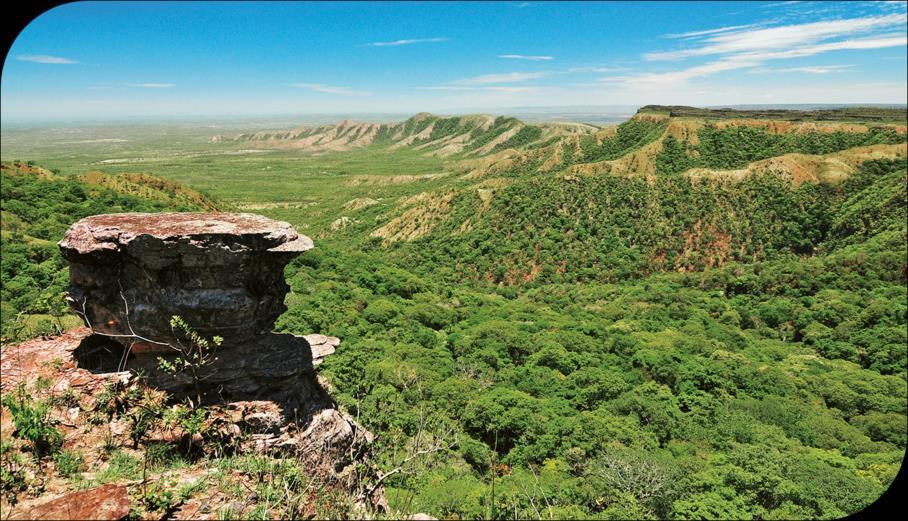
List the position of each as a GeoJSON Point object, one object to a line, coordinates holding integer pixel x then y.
{"type": "Point", "coordinates": [713, 298]}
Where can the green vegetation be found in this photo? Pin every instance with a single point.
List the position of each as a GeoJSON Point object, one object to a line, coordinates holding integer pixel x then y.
{"type": "Point", "coordinates": [193, 353]}
{"type": "Point", "coordinates": [481, 137]}
{"type": "Point", "coordinates": [608, 229]}
{"type": "Point", "coordinates": [417, 124]}
{"type": "Point", "coordinates": [764, 363]}
{"type": "Point", "coordinates": [447, 127]}
{"type": "Point", "coordinates": [524, 136]}
{"type": "Point", "coordinates": [38, 206]}
{"type": "Point", "coordinates": [674, 157]}
{"type": "Point", "coordinates": [860, 114]}
{"type": "Point", "coordinates": [583, 346]}
{"type": "Point", "coordinates": [629, 135]}
{"type": "Point", "coordinates": [735, 146]}
{"type": "Point", "coordinates": [33, 424]}
{"type": "Point", "coordinates": [68, 463]}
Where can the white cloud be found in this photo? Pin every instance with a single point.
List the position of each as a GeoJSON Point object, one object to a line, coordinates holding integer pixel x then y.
{"type": "Point", "coordinates": [779, 4]}
{"type": "Point", "coordinates": [693, 34]}
{"type": "Point", "coordinates": [330, 89]}
{"type": "Point", "coordinates": [43, 58]}
{"type": "Point", "coordinates": [151, 85]}
{"type": "Point", "coordinates": [525, 57]}
{"type": "Point", "coordinates": [880, 42]}
{"type": "Point", "coordinates": [493, 88]}
{"type": "Point", "coordinates": [809, 69]}
{"type": "Point", "coordinates": [395, 43]}
{"type": "Point", "coordinates": [751, 48]}
{"type": "Point", "coordinates": [597, 69]}
{"type": "Point", "coordinates": [781, 37]}
{"type": "Point", "coordinates": [510, 77]}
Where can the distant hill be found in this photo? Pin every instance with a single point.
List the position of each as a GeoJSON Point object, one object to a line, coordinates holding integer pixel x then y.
{"type": "Point", "coordinates": [857, 113]}
{"type": "Point", "coordinates": [471, 135]}
{"type": "Point", "coordinates": [671, 189]}
{"type": "Point", "coordinates": [488, 144]}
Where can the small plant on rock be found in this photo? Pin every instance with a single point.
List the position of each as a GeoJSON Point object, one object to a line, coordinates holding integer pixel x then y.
{"type": "Point", "coordinates": [33, 423]}
{"type": "Point", "coordinates": [12, 472]}
{"type": "Point", "coordinates": [68, 463]}
{"type": "Point", "coordinates": [159, 496]}
{"type": "Point", "coordinates": [194, 353]}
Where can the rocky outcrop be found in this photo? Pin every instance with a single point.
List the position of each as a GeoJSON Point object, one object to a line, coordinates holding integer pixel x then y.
{"type": "Point", "coordinates": [222, 273]}
{"type": "Point", "coordinates": [329, 442]}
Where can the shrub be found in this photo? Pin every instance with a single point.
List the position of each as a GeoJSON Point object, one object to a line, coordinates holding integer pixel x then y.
{"type": "Point", "coordinates": [380, 311]}
{"type": "Point", "coordinates": [33, 423]}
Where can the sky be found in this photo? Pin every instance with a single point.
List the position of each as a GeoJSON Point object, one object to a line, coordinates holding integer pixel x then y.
{"type": "Point", "coordinates": [113, 59]}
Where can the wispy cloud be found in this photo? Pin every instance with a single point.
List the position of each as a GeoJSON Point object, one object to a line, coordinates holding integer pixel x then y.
{"type": "Point", "coordinates": [597, 69]}
{"type": "Point", "coordinates": [330, 89]}
{"type": "Point", "coordinates": [809, 69]}
{"type": "Point", "coordinates": [411, 41]}
{"type": "Point", "coordinates": [151, 85]}
{"type": "Point", "coordinates": [44, 58]}
{"type": "Point", "coordinates": [525, 57]}
{"type": "Point", "coordinates": [694, 34]}
{"type": "Point", "coordinates": [485, 88]}
{"type": "Point", "coordinates": [779, 4]}
{"type": "Point", "coordinates": [509, 77]}
{"type": "Point", "coordinates": [522, 5]}
{"type": "Point", "coordinates": [749, 48]}
{"type": "Point", "coordinates": [880, 42]}
{"type": "Point", "coordinates": [781, 37]}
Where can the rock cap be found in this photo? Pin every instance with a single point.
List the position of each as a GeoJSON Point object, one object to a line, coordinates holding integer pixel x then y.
{"type": "Point", "coordinates": [110, 233]}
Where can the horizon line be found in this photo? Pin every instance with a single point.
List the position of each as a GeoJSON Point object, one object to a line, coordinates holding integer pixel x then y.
{"type": "Point", "coordinates": [555, 109]}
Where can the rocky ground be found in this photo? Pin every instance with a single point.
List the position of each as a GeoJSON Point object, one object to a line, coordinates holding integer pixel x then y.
{"type": "Point", "coordinates": [79, 444]}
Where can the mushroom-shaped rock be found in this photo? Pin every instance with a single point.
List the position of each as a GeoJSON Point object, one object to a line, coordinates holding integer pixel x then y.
{"type": "Point", "coordinates": [223, 273]}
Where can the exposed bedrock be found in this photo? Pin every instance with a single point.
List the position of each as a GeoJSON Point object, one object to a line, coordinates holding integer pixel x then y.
{"type": "Point", "coordinates": [327, 440]}
{"type": "Point", "coordinates": [223, 273]}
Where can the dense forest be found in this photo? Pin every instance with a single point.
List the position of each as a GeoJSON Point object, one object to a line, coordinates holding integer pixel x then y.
{"type": "Point", "coordinates": [769, 386]}
{"type": "Point", "coordinates": [594, 346]}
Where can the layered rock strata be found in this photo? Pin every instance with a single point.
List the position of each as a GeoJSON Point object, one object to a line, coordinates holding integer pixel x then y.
{"type": "Point", "coordinates": [223, 273]}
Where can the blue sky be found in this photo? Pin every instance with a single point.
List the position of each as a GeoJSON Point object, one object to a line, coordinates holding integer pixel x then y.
{"type": "Point", "coordinates": [159, 59]}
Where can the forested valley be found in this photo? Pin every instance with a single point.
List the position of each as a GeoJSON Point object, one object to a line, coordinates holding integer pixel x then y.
{"type": "Point", "coordinates": [651, 321]}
